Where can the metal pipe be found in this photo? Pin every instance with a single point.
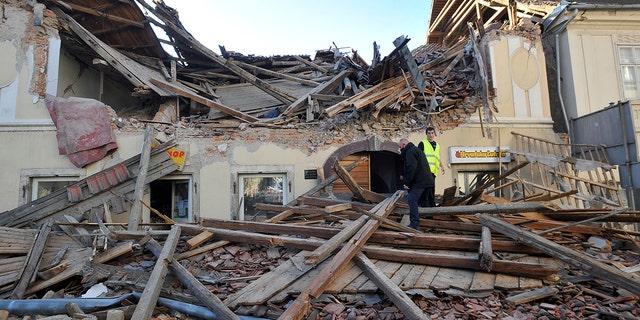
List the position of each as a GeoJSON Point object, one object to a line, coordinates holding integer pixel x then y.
{"type": "Point", "coordinates": [88, 305]}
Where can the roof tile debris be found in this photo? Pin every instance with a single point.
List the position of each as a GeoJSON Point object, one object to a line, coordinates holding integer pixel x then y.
{"type": "Point", "coordinates": [557, 249]}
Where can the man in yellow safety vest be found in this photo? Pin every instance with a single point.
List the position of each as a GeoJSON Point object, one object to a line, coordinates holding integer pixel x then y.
{"type": "Point", "coordinates": [431, 150]}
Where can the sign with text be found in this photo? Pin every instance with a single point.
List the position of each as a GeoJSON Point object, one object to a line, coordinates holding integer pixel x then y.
{"type": "Point", "coordinates": [177, 156]}
{"type": "Point", "coordinates": [487, 154]}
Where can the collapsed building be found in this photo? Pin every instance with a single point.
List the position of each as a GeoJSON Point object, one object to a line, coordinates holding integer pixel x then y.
{"type": "Point", "coordinates": [272, 181]}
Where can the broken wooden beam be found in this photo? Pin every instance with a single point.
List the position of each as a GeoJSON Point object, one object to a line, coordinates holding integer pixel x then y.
{"type": "Point", "coordinates": [485, 250]}
{"type": "Point", "coordinates": [207, 102]}
{"type": "Point", "coordinates": [330, 272]}
{"type": "Point", "coordinates": [32, 261]}
{"type": "Point", "coordinates": [197, 288]}
{"type": "Point", "coordinates": [392, 291]}
{"type": "Point", "coordinates": [135, 214]}
{"type": "Point", "coordinates": [575, 258]}
{"type": "Point", "coordinates": [149, 297]}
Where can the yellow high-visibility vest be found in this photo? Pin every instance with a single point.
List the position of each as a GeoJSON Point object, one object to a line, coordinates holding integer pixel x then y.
{"type": "Point", "coordinates": [433, 156]}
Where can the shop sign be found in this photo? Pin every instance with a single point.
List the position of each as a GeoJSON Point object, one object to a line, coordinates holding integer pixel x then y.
{"type": "Point", "coordinates": [488, 154]}
{"type": "Point", "coordinates": [178, 156]}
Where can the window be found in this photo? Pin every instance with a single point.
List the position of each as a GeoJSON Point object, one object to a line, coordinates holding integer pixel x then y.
{"type": "Point", "coordinates": [630, 70]}
{"type": "Point", "coordinates": [37, 183]}
{"type": "Point", "coordinates": [261, 188]}
{"type": "Point", "coordinates": [41, 187]}
{"type": "Point", "coordinates": [471, 180]}
{"type": "Point", "coordinates": [173, 197]}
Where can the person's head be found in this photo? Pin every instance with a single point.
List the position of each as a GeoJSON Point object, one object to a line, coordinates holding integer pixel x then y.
{"type": "Point", "coordinates": [403, 143]}
{"type": "Point", "coordinates": [431, 133]}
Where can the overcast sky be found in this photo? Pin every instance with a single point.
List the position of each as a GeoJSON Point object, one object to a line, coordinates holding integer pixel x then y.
{"type": "Point", "coordinates": [290, 27]}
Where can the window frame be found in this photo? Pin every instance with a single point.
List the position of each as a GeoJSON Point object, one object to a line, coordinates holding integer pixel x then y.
{"type": "Point", "coordinates": [190, 190]}
{"type": "Point", "coordinates": [626, 63]}
{"type": "Point", "coordinates": [29, 179]}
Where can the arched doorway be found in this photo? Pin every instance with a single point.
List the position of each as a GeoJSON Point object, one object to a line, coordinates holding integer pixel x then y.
{"type": "Point", "coordinates": [380, 173]}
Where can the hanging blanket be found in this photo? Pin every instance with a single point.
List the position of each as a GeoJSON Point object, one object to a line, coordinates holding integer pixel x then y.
{"type": "Point", "coordinates": [84, 128]}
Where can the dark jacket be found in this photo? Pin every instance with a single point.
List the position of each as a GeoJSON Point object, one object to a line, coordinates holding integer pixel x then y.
{"type": "Point", "coordinates": [416, 169]}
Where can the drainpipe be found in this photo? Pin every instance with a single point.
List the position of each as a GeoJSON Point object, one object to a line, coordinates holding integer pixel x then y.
{"type": "Point", "coordinates": [556, 35]}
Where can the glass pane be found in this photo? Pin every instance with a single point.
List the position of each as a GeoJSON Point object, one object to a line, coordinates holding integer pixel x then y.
{"type": "Point", "coordinates": [47, 187]}
{"type": "Point", "coordinates": [267, 190]}
{"type": "Point", "coordinates": [181, 200]}
{"type": "Point", "coordinates": [630, 82]}
{"type": "Point", "coordinates": [626, 55]}
{"type": "Point", "coordinates": [636, 55]}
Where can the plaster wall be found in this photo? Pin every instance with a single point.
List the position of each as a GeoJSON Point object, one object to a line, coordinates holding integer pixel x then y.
{"type": "Point", "coordinates": [519, 80]}
{"type": "Point", "coordinates": [589, 58]}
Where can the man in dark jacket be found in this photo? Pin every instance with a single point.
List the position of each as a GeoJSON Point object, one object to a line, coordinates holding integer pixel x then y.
{"type": "Point", "coordinates": [417, 176]}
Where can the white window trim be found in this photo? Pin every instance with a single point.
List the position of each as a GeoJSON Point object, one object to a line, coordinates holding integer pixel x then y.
{"type": "Point", "coordinates": [27, 176]}
{"type": "Point", "coordinates": [190, 215]}
{"type": "Point", "coordinates": [237, 171]}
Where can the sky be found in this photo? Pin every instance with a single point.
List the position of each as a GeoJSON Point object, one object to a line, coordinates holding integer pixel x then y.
{"type": "Point", "coordinates": [300, 27]}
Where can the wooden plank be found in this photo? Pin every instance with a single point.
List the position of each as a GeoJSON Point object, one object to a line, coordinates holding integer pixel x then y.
{"type": "Point", "coordinates": [532, 295]}
{"type": "Point", "coordinates": [149, 297]}
{"type": "Point", "coordinates": [507, 282]}
{"type": "Point", "coordinates": [200, 250]}
{"type": "Point", "coordinates": [412, 278]}
{"type": "Point", "coordinates": [114, 252]}
{"type": "Point", "coordinates": [452, 278]}
{"type": "Point", "coordinates": [199, 239]}
{"type": "Point", "coordinates": [201, 292]}
{"type": "Point", "coordinates": [259, 291]}
{"type": "Point", "coordinates": [476, 193]}
{"type": "Point", "coordinates": [318, 255]}
{"type": "Point", "coordinates": [135, 215]}
{"type": "Point", "coordinates": [299, 307]}
{"type": "Point", "coordinates": [297, 286]}
{"type": "Point", "coordinates": [392, 291]}
{"type": "Point", "coordinates": [32, 261]}
{"type": "Point", "coordinates": [401, 274]}
{"type": "Point", "coordinates": [207, 102]}
{"type": "Point", "coordinates": [485, 250]}
{"type": "Point", "coordinates": [325, 87]}
{"type": "Point", "coordinates": [525, 283]}
{"type": "Point", "coordinates": [362, 278]}
{"type": "Point", "coordinates": [482, 282]}
{"type": "Point", "coordinates": [387, 271]}
{"type": "Point", "coordinates": [349, 275]}
{"type": "Point", "coordinates": [577, 259]}
{"type": "Point", "coordinates": [337, 207]}
{"type": "Point", "coordinates": [427, 276]}
{"type": "Point", "coordinates": [386, 253]}
{"type": "Point", "coordinates": [333, 178]}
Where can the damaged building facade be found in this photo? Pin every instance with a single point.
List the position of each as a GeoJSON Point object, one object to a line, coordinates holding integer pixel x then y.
{"type": "Point", "coordinates": [230, 154]}
{"type": "Point", "coordinates": [268, 186]}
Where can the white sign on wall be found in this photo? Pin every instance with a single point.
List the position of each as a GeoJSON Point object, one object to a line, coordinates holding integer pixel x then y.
{"type": "Point", "coordinates": [488, 154]}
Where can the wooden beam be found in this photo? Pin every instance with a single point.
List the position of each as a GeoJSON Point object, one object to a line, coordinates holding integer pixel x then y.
{"type": "Point", "coordinates": [329, 180]}
{"type": "Point", "coordinates": [393, 292]}
{"type": "Point", "coordinates": [197, 46]}
{"type": "Point", "coordinates": [151, 292]}
{"type": "Point", "coordinates": [324, 88]}
{"type": "Point", "coordinates": [209, 103]}
{"type": "Point", "coordinates": [197, 288]}
{"type": "Point", "coordinates": [532, 270]}
{"type": "Point", "coordinates": [341, 259]}
{"type": "Point", "coordinates": [575, 258]}
{"type": "Point", "coordinates": [276, 74]}
{"type": "Point", "coordinates": [475, 194]}
{"type": "Point", "coordinates": [322, 252]}
{"type": "Point", "coordinates": [100, 14]}
{"type": "Point", "coordinates": [31, 262]}
{"type": "Point", "coordinates": [136, 208]}
{"type": "Point", "coordinates": [485, 251]}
